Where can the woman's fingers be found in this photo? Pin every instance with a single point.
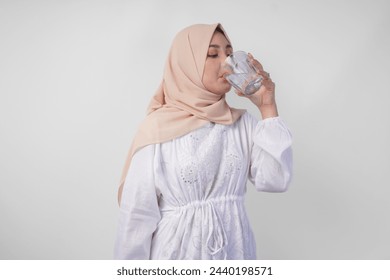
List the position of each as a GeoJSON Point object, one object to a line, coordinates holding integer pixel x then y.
{"type": "Point", "coordinates": [255, 62]}
{"type": "Point", "coordinates": [239, 93]}
{"type": "Point", "coordinates": [268, 84]}
{"type": "Point", "coordinates": [259, 68]}
{"type": "Point", "coordinates": [265, 75]}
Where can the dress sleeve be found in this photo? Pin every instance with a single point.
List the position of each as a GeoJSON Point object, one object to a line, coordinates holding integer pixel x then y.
{"type": "Point", "coordinates": [139, 210]}
{"type": "Point", "coordinates": [271, 155]}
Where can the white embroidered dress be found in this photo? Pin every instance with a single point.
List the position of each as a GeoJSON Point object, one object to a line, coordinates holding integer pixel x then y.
{"type": "Point", "coordinates": [184, 199]}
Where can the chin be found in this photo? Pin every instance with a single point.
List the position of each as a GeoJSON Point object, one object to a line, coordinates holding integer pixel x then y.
{"type": "Point", "coordinates": [220, 92]}
{"type": "Point", "coordinates": [223, 89]}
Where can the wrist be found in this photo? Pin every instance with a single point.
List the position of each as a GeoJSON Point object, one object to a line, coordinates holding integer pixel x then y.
{"type": "Point", "coordinates": [268, 111]}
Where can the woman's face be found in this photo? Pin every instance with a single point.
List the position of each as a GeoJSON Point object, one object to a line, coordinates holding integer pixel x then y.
{"type": "Point", "coordinates": [213, 79]}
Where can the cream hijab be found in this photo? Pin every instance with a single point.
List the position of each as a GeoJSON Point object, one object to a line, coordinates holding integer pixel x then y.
{"type": "Point", "coordinates": [182, 103]}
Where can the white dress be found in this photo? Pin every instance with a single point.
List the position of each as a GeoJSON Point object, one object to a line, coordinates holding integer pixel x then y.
{"type": "Point", "coordinates": [184, 199]}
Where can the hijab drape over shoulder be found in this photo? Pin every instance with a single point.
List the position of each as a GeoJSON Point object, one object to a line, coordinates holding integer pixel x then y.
{"type": "Point", "coordinates": [182, 103]}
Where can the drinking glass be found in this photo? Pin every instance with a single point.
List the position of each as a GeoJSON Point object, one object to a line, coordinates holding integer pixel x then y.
{"type": "Point", "coordinates": [242, 73]}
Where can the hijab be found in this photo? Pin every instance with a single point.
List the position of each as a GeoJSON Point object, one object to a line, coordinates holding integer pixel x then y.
{"type": "Point", "coordinates": [181, 103]}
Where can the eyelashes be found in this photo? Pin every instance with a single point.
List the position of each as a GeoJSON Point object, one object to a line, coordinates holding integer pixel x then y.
{"type": "Point", "coordinates": [216, 55]}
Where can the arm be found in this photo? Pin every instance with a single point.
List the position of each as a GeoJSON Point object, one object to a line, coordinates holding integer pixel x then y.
{"type": "Point", "coordinates": [271, 156]}
{"type": "Point", "coordinates": [264, 98]}
{"type": "Point", "coordinates": [139, 211]}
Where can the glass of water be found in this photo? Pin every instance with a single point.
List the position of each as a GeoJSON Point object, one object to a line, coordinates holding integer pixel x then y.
{"type": "Point", "coordinates": [242, 74]}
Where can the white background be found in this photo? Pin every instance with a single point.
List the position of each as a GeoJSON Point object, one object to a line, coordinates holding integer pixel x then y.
{"type": "Point", "coordinates": [76, 78]}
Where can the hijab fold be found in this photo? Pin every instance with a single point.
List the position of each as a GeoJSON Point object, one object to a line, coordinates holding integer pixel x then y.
{"type": "Point", "coordinates": [181, 103]}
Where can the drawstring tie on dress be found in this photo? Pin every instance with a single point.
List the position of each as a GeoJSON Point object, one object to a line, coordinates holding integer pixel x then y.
{"type": "Point", "coordinates": [217, 239]}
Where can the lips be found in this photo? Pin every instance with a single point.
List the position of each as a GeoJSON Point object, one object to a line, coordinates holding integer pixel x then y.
{"type": "Point", "coordinates": [223, 77]}
{"type": "Point", "coordinates": [224, 74]}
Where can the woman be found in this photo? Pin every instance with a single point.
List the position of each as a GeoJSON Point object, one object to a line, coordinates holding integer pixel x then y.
{"type": "Point", "coordinates": [185, 178]}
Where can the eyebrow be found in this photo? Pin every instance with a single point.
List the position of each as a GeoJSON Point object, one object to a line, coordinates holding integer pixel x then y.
{"type": "Point", "coordinates": [218, 46]}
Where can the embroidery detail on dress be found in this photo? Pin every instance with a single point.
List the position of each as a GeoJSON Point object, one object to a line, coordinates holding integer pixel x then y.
{"type": "Point", "coordinates": [233, 164]}
{"type": "Point", "coordinates": [200, 163]}
{"type": "Point", "coordinates": [206, 161]}
{"type": "Point", "coordinates": [189, 173]}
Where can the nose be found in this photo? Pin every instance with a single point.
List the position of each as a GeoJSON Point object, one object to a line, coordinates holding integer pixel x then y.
{"type": "Point", "coordinates": [223, 61]}
{"type": "Point", "coordinates": [224, 56]}
{"type": "Point", "coordinates": [225, 69]}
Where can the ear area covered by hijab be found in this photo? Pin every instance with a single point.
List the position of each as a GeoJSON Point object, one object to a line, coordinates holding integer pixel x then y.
{"type": "Point", "coordinates": [181, 103]}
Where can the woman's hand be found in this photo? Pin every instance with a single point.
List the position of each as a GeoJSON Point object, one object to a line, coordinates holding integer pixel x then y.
{"type": "Point", "coordinates": [264, 98]}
